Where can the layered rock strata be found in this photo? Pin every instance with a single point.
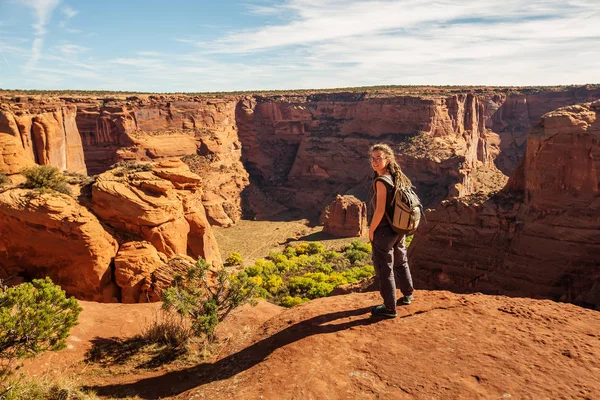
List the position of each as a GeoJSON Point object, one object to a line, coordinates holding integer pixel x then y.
{"type": "Point", "coordinates": [161, 206]}
{"type": "Point", "coordinates": [540, 236]}
{"type": "Point", "coordinates": [34, 132]}
{"type": "Point", "coordinates": [299, 149]}
{"type": "Point", "coordinates": [147, 128]}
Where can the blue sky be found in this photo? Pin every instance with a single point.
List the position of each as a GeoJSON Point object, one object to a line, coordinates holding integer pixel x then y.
{"type": "Point", "coordinates": [229, 45]}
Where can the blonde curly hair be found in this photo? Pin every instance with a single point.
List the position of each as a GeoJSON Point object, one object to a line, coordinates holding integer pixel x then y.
{"type": "Point", "coordinates": [400, 179]}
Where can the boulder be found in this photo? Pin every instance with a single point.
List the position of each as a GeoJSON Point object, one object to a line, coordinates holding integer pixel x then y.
{"type": "Point", "coordinates": [52, 235]}
{"type": "Point", "coordinates": [346, 217]}
{"type": "Point", "coordinates": [160, 206]}
{"type": "Point", "coordinates": [134, 265]}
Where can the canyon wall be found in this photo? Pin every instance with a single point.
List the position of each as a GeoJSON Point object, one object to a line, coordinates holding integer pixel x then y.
{"type": "Point", "coordinates": [512, 115]}
{"type": "Point", "coordinates": [299, 150]}
{"type": "Point", "coordinates": [539, 236]}
{"type": "Point", "coordinates": [39, 132]}
{"type": "Point", "coordinates": [149, 128]}
{"type": "Point", "coordinates": [303, 151]}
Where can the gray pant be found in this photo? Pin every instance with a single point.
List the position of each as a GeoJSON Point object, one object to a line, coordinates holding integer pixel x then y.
{"type": "Point", "coordinates": [391, 264]}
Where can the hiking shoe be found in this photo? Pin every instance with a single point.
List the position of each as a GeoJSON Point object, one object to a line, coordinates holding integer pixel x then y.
{"type": "Point", "coordinates": [382, 311]}
{"type": "Point", "coordinates": [406, 300]}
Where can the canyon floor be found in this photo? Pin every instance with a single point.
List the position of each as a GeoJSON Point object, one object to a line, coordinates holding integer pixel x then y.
{"type": "Point", "coordinates": [444, 345]}
{"type": "Point", "coordinates": [254, 239]}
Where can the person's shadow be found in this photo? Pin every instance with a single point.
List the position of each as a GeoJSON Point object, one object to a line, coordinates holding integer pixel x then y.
{"type": "Point", "coordinates": [173, 383]}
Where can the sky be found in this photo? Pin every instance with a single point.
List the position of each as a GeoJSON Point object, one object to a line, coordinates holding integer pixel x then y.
{"type": "Point", "coordinates": [235, 45]}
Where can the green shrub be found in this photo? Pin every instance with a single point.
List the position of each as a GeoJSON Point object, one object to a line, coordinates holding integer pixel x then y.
{"type": "Point", "coordinates": [331, 255]}
{"type": "Point", "coordinates": [234, 259]}
{"type": "Point", "coordinates": [357, 252]}
{"type": "Point", "coordinates": [315, 248]}
{"type": "Point", "coordinates": [408, 240]}
{"type": "Point", "coordinates": [273, 284]}
{"type": "Point", "coordinates": [277, 257]}
{"type": "Point", "coordinates": [289, 301]}
{"type": "Point", "coordinates": [301, 248]}
{"type": "Point", "coordinates": [75, 178]}
{"type": "Point", "coordinates": [34, 317]}
{"type": "Point", "coordinates": [289, 252]}
{"type": "Point", "coordinates": [207, 303]}
{"type": "Point", "coordinates": [45, 177]}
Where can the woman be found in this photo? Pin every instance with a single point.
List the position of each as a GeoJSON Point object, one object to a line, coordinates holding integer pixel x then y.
{"type": "Point", "coordinates": [389, 250]}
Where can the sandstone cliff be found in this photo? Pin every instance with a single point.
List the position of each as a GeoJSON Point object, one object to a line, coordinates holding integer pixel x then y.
{"type": "Point", "coordinates": [37, 132]}
{"type": "Point", "coordinates": [540, 235]}
{"type": "Point", "coordinates": [299, 149]}
{"type": "Point", "coordinates": [156, 128]}
{"type": "Point", "coordinates": [51, 235]}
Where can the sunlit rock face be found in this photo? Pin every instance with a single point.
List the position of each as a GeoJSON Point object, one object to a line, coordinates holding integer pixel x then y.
{"type": "Point", "coordinates": [539, 236]}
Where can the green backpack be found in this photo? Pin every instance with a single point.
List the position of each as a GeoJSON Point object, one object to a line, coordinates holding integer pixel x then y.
{"type": "Point", "coordinates": [407, 210]}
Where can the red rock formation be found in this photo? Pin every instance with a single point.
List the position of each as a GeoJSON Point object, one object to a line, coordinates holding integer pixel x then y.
{"type": "Point", "coordinates": [302, 149]}
{"type": "Point", "coordinates": [512, 116]}
{"type": "Point", "coordinates": [51, 235]}
{"type": "Point", "coordinates": [134, 264]}
{"type": "Point", "coordinates": [44, 134]}
{"type": "Point", "coordinates": [346, 217]}
{"type": "Point", "coordinates": [161, 206]}
{"type": "Point", "coordinates": [539, 236]}
{"type": "Point", "coordinates": [156, 128]}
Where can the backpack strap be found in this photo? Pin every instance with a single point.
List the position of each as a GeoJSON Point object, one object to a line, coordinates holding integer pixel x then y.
{"type": "Point", "coordinates": [388, 181]}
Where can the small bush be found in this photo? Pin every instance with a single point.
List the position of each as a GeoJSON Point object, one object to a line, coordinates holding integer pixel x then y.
{"type": "Point", "coordinates": [207, 303]}
{"type": "Point", "coordinates": [234, 259]}
{"type": "Point", "coordinates": [289, 301]}
{"type": "Point", "coordinates": [34, 317]}
{"type": "Point", "coordinates": [45, 177]}
{"type": "Point", "coordinates": [74, 178]}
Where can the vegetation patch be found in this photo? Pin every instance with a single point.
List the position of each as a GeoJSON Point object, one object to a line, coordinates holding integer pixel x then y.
{"type": "Point", "coordinates": [309, 271]}
{"type": "Point", "coordinates": [125, 168]}
{"type": "Point", "coordinates": [45, 178]}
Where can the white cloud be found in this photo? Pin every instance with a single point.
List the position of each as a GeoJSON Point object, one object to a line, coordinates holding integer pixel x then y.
{"type": "Point", "coordinates": [42, 10]}
{"type": "Point", "coordinates": [69, 12]}
{"type": "Point", "coordinates": [340, 43]}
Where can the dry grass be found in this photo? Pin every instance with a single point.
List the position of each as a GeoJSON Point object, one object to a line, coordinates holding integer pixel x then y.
{"type": "Point", "coordinates": [46, 388]}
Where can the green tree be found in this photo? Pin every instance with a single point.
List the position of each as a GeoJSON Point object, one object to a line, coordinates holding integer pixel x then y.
{"type": "Point", "coordinates": [34, 317]}
{"type": "Point", "coordinates": [206, 301]}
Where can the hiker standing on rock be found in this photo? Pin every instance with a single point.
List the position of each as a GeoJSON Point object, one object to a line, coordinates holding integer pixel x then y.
{"type": "Point", "coordinates": [389, 249]}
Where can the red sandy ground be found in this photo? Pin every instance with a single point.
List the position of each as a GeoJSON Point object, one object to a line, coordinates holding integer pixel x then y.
{"type": "Point", "coordinates": [444, 345]}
